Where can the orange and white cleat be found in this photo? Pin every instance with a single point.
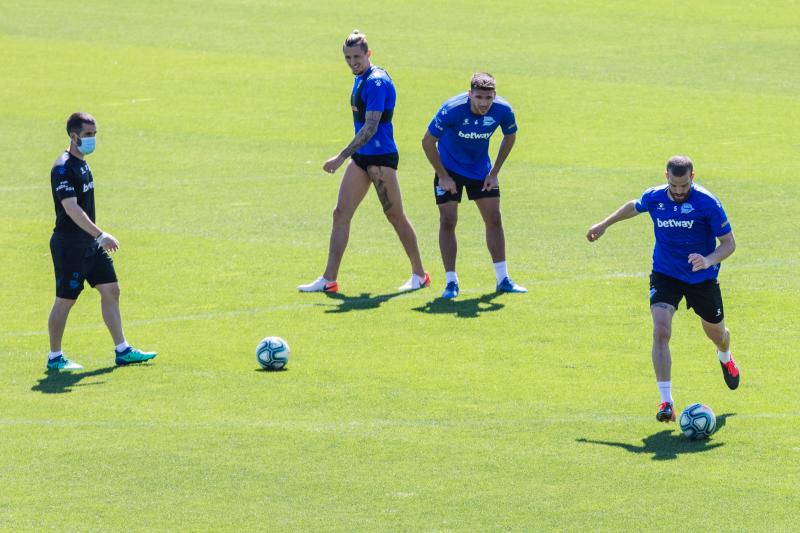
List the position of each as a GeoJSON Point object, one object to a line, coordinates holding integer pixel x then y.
{"type": "Point", "coordinates": [415, 283]}
{"type": "Point", "coordinates": [319, 285]}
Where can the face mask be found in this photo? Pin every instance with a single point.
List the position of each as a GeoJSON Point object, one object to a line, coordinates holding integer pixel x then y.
{"type": "Point", "coordinates": [87, 145]}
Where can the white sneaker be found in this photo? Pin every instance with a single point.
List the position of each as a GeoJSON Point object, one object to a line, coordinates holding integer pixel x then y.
{"type": "Point", "coordinates": [415, 283]}
{"type": "Point", "coordinates": [319, 285]}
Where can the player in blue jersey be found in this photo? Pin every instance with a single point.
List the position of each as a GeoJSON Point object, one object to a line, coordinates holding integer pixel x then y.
{"type": "Point", "coordinates": [80, 248]}
{"type": "Point", "coordinates": [457, 146]}
{"type": "Point", "coordinates": [688, 221]}
{"type": "Point", "coordinates": [374, 160]}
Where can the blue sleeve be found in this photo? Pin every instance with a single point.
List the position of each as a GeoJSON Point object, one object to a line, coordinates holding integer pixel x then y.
{"type": "Point", "coordinates": [643, 203]}
{"type": "Point", "coordinates": [509, 123]}
{"type": "Point", "coordinates": [719, 220]}
{"type": "Point", "coordinates": [63, 182]}
{"type": "Point", "coordinates": [439, 123]}
{"type": "Point", "coordinates": [375, 94]}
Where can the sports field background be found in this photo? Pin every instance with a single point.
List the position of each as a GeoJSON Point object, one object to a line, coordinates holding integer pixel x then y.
{"type": "Point", "coordinates": [398, 412]}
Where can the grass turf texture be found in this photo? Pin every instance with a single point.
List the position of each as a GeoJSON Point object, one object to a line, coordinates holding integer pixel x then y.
{"type": "Point", "coordinates": [397, 412]}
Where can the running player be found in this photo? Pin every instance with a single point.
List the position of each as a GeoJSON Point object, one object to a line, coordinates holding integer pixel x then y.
{"type": "Point", "coordinates": [687, 221]}
{"type": "Point", "coordinates": [80, 248]}
{"type": "Point", "coordinates": [374, 160]}
{"type": "Point", "coordinates": [457, 146]}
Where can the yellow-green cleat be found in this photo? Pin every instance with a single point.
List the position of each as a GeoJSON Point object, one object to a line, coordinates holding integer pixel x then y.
{"type": "Point", "coordinates": [132, 355]}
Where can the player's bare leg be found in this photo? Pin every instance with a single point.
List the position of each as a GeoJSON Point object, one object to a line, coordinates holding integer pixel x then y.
{"type": "Point", "coordinates": [662, 331]}
{"type": "Point", "coordinates": [109, 304]}
{"type": "Point", "coordinates": [57, 322]}
{"type": "Point", "coordinates": [496, 242]}
{"type": "Point", "coordinates": [662, 358]}
{"type": "Point", "coordinates": [124, 353]}
{"type": "Point", "coordinates": [721, 337]}
{"type": "Point", "coordinates": [354, 186]}
{"type": "Point", "coordinates": [388, 190]}
{"type": "Point", "coordinates": [448, 243]}
{"type": "Point", "coordinates": [493, 220]}
{"type": "Point", "coordinates": [718, 334]}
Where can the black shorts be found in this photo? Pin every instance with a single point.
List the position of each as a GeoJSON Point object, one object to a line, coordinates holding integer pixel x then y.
{"type": "Point", "coordinates": [704, 297]}
{"type": "Point", "coordinates": [380, 160]}
{"type": "Point", "coordinates": [76, 261]}
{"type": "Point", "coordinates": [473, 187]}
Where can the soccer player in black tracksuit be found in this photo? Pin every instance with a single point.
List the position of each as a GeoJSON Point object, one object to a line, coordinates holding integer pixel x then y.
{"type": "Point", "coordinates": [80, 248]}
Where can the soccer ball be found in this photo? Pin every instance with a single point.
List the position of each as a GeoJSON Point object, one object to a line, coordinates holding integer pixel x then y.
{"type": "Point", "coordinates": [698, 421]}
{"type": "Point", "coordinates": [272, 353]}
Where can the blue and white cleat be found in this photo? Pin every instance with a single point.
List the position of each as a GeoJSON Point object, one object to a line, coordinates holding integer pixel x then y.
{"type": "Point", "coordinates": [451, 290]}
{"type": "Point", "coordinates": [131, 355]}
{"type": "Point", "coordinates": [508, 285]}
{"type": "Point", "coordinates": [62, 363]}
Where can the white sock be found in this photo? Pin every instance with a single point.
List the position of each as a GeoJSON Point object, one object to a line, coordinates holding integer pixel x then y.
{"type": "Point", "coordinates": [53, 355]}
{"type": "Point", "coordinates": [450, 276]}
{"type": "Point", "coordinates": [665, 388]}
{"type": "Point", "coordinates": [501, 271]}
{"type": "Point", "coordinates": [724, 357]}
{"type": "Point", "coordinates": [122, 346]}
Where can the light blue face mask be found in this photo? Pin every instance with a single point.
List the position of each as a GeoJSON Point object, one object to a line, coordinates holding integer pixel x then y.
{"type": "Point", "coordinates": [87, 145]}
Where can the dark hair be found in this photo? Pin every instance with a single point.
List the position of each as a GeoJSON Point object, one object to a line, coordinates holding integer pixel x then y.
{"type": "Point", "coordinates": [356, 38]}
{"type": "Point", "coordinates": [76, 121]}
{"type": "Point", "coordinates": [482, 81]}
{"type": "Point", "coordinates": [679, 165]}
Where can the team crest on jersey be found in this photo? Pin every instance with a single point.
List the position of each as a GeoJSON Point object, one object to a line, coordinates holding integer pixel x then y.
{"type": "Point", "coordinates": [466, 122]}
{"type": "Point", "coordinates": [660, 206]}
{"type": "Point", "coordinates": [488, 121]}
{"type": "Point", "coordinates": [686, 208]}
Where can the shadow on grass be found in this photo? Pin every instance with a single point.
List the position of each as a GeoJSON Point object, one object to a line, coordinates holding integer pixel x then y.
{"type": "Point", "coordinates": [667, 445]}
{"type": "Point", "coordinates": [55, 382]}
{"type": "Point", "coordinates": [362, 302]}
{"type": "Point", "coordinates": [469, 308]}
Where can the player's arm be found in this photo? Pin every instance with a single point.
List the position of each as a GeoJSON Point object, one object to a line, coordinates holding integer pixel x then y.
{"type": "Point", "coordinates": [372, 120]}
{"type": "Point", "coordinates": [79, 216]}
{"type": "Point", "coordinates": [628, 210]}
{"type": "Point", "coordinates": [727, 245]}
{"type": "Point", "coordinates": [432, 153]}
{"type": "Point", "coordinates": [506, 145]}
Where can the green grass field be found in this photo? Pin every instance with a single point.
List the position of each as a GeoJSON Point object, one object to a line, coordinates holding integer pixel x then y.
{"type": "Point", "coordinates": [398, 412]}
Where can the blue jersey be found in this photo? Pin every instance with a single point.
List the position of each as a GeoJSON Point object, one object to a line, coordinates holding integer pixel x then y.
{"type": "Point", "coordinates": [374, 91]}
{"type": "Point", "coordinates": [464, 136]}
{"type": "Point", "coordinates": [684, 228]}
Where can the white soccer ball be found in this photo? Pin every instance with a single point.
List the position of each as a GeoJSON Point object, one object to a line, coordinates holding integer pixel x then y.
{"type": "Point", "coordinates": [698, 421]}
{"type": "Point", "coordinates": [272, 353]}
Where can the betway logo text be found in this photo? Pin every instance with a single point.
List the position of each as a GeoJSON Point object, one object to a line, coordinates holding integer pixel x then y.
{"type": "Point", "coordinates": [669, 223]}
{"type": "Point", "coordinates": [473, 135]}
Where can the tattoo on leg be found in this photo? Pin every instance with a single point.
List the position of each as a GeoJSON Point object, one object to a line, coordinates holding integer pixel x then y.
{"type": "Point", "coordinates": [376, 175]}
